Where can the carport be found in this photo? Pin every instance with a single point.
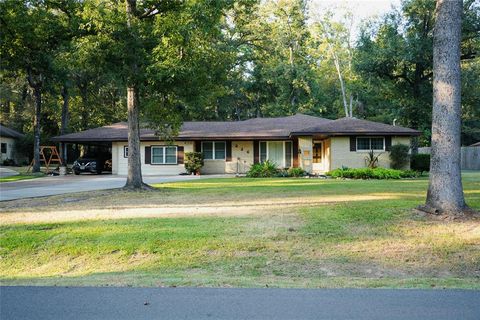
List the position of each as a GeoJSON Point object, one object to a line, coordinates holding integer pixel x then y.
{"type": "Point", "coordinates": [112, 138]}
{"type": "Point", "coordinates": [83, 143]}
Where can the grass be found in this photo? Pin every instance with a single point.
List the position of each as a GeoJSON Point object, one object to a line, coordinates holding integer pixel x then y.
{"type": "Point", "coordinates": [300, 233]}
{"type": "Point", "coordinates": [19, 177]}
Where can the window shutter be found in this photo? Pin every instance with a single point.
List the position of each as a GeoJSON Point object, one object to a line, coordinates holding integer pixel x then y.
{"type": "Point", "coordinates": [228, 152]}
{"type": "Point", "coordinates": [198, 146]}
{"type": "Point", "coordinates": [180, 154]}
{"type": "Point", "coordinates": [388, 143]}
{"type": "Point", "coordinates": [353, 143]}
{"type": "Point", "coordinates": [148, 155]}
{"type": "Point", "coordinates": [295, 153]}
{"type": "Point", "coordinates": [256, 150]}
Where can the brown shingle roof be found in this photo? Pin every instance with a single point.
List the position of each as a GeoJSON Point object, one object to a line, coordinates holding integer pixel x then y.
{"type": "Point", "coordinates": [253, 128]}
{"type": "Point", "coordinates": [10, 133]}
{"type": "Point", "coordinates": [349, 126]}
{"type": "Point", "coordinates": [257, 128]}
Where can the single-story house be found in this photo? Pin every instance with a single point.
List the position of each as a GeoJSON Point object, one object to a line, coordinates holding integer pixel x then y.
{"type": "Point", "coordinates": [8, 138]}
{"type": "Point", "coordinates": [315, 144]}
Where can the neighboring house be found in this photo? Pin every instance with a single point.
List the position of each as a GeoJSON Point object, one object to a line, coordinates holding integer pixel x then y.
{"type": "Point", "coordinates": [314, 144]}
{"type": "Point", "coordinates": [8, 138]}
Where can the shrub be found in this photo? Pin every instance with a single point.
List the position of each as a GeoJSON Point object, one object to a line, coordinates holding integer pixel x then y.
{"type": "Point", "coordinates": [420, 162]}
{"type": "Point", "coordinates": [8, 162]}
{"type": "Point", "coordinates": [282, 173]}
{"type": "Point", "coordinates": [371, 173]}
{"type": "Point", "coordinates": [296, 172]}
{"type": "Point", "coordinates": [399, 156]}
{"type": "Point", "coordinates": [265, 169]}
{"type": "Point", "coordinates": [410, 174]}
{"type": "Point", "coordinates": [193, 162]}
{"type": "Point", "coordinates": [371, 160]}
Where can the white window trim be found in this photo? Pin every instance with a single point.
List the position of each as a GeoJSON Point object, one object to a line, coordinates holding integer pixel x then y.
{"type": "Point", "coordinates": [213, 150]}
{"type": "Point", "coordinates": [370, 149]}
{"type": "Point", "coordinates": [164, 155]}
{"type": "Point", "coordinates": [284, 143]}
{"type": "Point", "coordinates": [125, 151]}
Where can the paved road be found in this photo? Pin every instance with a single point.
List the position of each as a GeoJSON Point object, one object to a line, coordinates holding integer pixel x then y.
{"type": "Point", "coordinates": [7, 172]}
{"type": "Point", "coordinates": [54, 303]}
{"type": "Point", "coordinates": [66, 184]}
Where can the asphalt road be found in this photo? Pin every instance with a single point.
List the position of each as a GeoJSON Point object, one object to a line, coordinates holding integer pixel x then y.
{"type": "Point", "coordinates": [7, 172]}
{"type": "Point", "coordinates": [54, 303]}
{"type": "Point", "coordinates": [54, 185]}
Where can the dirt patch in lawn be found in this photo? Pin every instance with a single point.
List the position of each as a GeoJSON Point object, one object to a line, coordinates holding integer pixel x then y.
{"type": "Point", "coordinates": [71, 211]}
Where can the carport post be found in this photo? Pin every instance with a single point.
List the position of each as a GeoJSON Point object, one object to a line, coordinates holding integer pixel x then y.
{"type": "Point", "coordinates": [65, 153]}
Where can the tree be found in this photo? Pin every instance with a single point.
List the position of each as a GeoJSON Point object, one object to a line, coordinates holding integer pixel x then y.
{"type": "Point", "coordinates": [333, 39]}
{"type": "Point", "coordinates": [445, 191]}
{"type": "Point", "coordinates": [394, 61]}
{"type": "Point", "coordinates": [31, 33]}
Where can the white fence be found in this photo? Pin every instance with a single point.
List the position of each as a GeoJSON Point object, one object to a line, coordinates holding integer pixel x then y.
{"type": "Point", "coordinates": [470, 157]}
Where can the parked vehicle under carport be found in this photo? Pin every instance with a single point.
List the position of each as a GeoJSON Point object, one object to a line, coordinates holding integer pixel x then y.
{"type": "Point", "coordinates": [93, 164]}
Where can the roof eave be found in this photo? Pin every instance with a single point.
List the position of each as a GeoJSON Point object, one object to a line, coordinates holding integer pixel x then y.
{"type": "Point", "coordinates": [369, 133]}
{"type": "Point", "coordinates": [238, 138]}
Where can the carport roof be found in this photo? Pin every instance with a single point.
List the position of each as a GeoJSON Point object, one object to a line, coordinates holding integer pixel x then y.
{"type": "Point", "coordinates": [256, 128]}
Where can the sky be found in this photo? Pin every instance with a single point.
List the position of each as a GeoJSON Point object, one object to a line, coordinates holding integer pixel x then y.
{"type": "Point", "coordinates": [361, 9]}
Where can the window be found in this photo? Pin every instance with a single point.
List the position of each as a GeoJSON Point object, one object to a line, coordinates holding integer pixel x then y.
{"type": "Point", "coordinates": [170, 155]}
{"type": "Point", "coordinates": [279, 152]}
{"type": "Point", "coordinates": [376, 143]}
{"type": "Point", "coordinates": [288, 154]}
{"type": "Point", "coordinates": [4, 148]}
{"type": "Point", "coordinates": [219, 148]}
{"type": "Point", "coordinates": [164, 155]}
{"type": "Point", "coordinates": [370, 143]}
{"type": "Point", "coordinates": [214, 150]}
{"type": "Point", "coordinates": [125, 151]}
{"type": "Point", "coordinates": [263, 151]}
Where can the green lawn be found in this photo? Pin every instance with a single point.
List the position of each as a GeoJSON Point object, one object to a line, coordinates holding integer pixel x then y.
{"type": "Point", "coordinates": [300, 233]}
{"type": "Point", "coordinates": [19, 177]}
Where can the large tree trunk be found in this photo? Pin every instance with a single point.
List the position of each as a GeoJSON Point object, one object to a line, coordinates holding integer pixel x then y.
{"type": "Point", "coordinates": [445, 192]}
{"type": "Point", "coordinates": [64, 123]}
{"type": "Point", "coordinates": [37, 94]}
{"type": "Point", "coordinates": [134, 178]}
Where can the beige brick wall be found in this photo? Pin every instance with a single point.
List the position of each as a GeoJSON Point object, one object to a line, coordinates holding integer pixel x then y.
{"type": "Point", "coordinates": [120, 163]}
{"type": "Point", "coordinates": [305, 145]}
{"type": "Point", "coordinates": [336, 154]}
{"type": "Point", "coordinates": [342, 156]}
{"type": "Point", "coordinates": [213, 167]}
{"type": "Point", "coordinates": [242, 157]}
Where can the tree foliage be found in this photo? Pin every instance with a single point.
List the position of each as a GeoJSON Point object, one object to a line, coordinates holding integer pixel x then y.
{"type": "Point", "coordinates": [222, 60]}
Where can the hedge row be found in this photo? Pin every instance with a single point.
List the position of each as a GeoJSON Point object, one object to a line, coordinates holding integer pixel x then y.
{"type": "Point", "coordinates": [269, 169]}
{"type": "Point", "coordinates": [369, 173]}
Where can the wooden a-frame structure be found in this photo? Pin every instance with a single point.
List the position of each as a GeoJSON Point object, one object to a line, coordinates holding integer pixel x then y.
{"type": "Point", "coordinates": [53, 157]}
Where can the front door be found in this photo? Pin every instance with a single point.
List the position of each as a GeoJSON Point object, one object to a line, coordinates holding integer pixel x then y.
{"type": "Point", "coordinates": [317, 160]}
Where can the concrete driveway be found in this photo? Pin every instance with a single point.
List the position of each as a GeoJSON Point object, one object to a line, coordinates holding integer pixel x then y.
{"type": "Point", "coordinates": [49, 186]}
